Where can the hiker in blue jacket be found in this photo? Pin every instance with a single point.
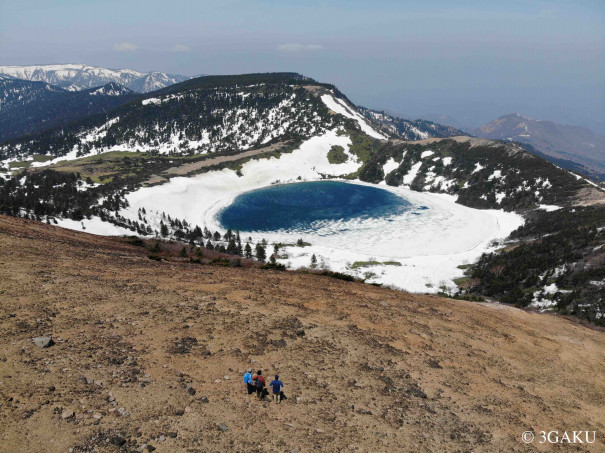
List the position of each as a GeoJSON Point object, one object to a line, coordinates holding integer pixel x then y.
{"type": "Point", "coordinates": [249, 382]}
{"type": "Point", "coordinates": [277, 387]}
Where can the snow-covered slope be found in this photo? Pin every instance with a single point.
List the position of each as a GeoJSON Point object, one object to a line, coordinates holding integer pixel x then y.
{"type": "Point", "coordinates": [426, 243]}
{"type": "Point", "coordinates": [155, 81]}
{"type": "Point", "coordinates": [111, 89]}
{"type": "Point", "coordinates": [340, 106]}
{"type": "Point", "coordinates": [81, 76]}
{"type": "Point", "coordinates": [208, 114]}
{"type": "Point", "coordinates": [408, 129]}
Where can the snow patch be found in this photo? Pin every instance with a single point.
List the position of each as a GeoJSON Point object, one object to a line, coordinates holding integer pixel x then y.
{"type": "Point", "coordinates": [341, 107]}
{"type": "Point", "coordinates": [389, 166]}
{"type": "Point", "coordinates": [549, 207]}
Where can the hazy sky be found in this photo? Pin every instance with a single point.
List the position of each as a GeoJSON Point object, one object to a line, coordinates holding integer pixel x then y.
{"type": "Point", "coordinates": [473, 60]}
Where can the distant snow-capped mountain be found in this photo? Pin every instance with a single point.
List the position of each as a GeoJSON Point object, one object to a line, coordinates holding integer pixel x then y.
{"type": "Point", "coordinates": [75, 77]}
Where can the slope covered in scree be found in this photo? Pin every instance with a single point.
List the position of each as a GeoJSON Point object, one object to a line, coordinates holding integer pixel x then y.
{"type": "Point", "coordinates": [152, 353]}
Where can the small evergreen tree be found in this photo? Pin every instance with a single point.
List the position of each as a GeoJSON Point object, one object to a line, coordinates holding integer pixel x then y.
{"type": "Point", "coordinates": [232, 247]}
{"type": "Point", "coordinates": [313, 260]}
{"type": "Point", "coordinates": [163, 229]}
{"type": "Point", "coordinates": [260, 252]}
{"type": "Point", "coordinates": [248, 250]}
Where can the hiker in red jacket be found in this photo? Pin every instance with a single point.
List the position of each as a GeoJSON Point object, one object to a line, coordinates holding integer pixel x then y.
{"type": "Point", "coordinates": [259, 382]}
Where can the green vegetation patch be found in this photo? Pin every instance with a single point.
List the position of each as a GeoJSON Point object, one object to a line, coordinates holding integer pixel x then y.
{"type": "Point", "coordinates": [27, 163]}
{"type": "Point", "coordinates": [337, 155]}
{"type": "Point", "coordinates": [360, 264]}
{"type": "Point", "coordinates": [461, 281]}
{"type": "Point", "coordinates": [362, 146]}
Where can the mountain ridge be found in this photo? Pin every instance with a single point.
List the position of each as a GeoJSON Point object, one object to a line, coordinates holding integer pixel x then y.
{"type": "Point", "coordinates": [574, 143]}
{"type": "Point", "coordinates": [239, 112]}
{"type": "Point", "coordinates": [75, 77]}
{"type": "Point", "coordinates": [30, 107]}
{"type": "Point", "coordinates": [406, 129]}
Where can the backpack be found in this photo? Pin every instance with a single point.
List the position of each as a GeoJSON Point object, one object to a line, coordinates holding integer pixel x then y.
{"type": "Point", "coordinates": [260, 381]}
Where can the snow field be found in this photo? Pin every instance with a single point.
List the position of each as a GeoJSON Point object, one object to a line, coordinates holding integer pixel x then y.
{"type": "Point", "coordinates": [428, 243]}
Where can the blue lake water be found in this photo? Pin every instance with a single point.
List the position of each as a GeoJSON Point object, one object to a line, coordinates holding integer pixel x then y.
{"type": "Point", "coordinates": [299, 206]}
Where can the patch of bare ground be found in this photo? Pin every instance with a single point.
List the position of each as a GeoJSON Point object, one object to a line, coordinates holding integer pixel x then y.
{"type": "Point", "coordinates": [151, 353]}
{"type": "Point", "coordinates": [458, 138]}
{"type": "Point", "coordinates": [589, 196]}
{"type": "Point", "coordinates": [186, 169]}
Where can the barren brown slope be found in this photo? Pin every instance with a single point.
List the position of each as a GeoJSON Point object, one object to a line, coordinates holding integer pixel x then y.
{"type": "Point", "coordinates": [376, 370]}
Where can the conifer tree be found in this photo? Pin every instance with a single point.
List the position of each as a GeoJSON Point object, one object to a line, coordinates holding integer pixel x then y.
{"type": "Point", "coordinates": [163, 229]}
{"type": "Point", "coordinates": [232, 247]}
{"type": "Point", "coordinates": [260, 252]}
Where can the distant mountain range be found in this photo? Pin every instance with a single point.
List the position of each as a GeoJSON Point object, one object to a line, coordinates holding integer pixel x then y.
{"type": "Point", "coordinates": [573, 147]}
{"type": "Point", "coordinates": [74, 77]}
{"type": "Point", "coordinates": [31, 107]}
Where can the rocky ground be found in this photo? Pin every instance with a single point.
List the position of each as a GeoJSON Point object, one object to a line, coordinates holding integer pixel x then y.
{"type": "Point", "coordinates": [149, 355]}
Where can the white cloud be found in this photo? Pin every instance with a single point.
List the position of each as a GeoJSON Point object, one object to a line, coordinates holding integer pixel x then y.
{"type": "Point", "coordinates": [297, 47]}
{"type": "Point", "coordinates": [125, 47]}
{"type": "Point", "coordinates": [180, 48]}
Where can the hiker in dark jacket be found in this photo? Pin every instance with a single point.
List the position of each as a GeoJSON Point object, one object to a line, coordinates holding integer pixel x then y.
{"type": "Point", "coordinates": [259, 381]}
{"type": "Point", "coordinates": [277, 387]}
